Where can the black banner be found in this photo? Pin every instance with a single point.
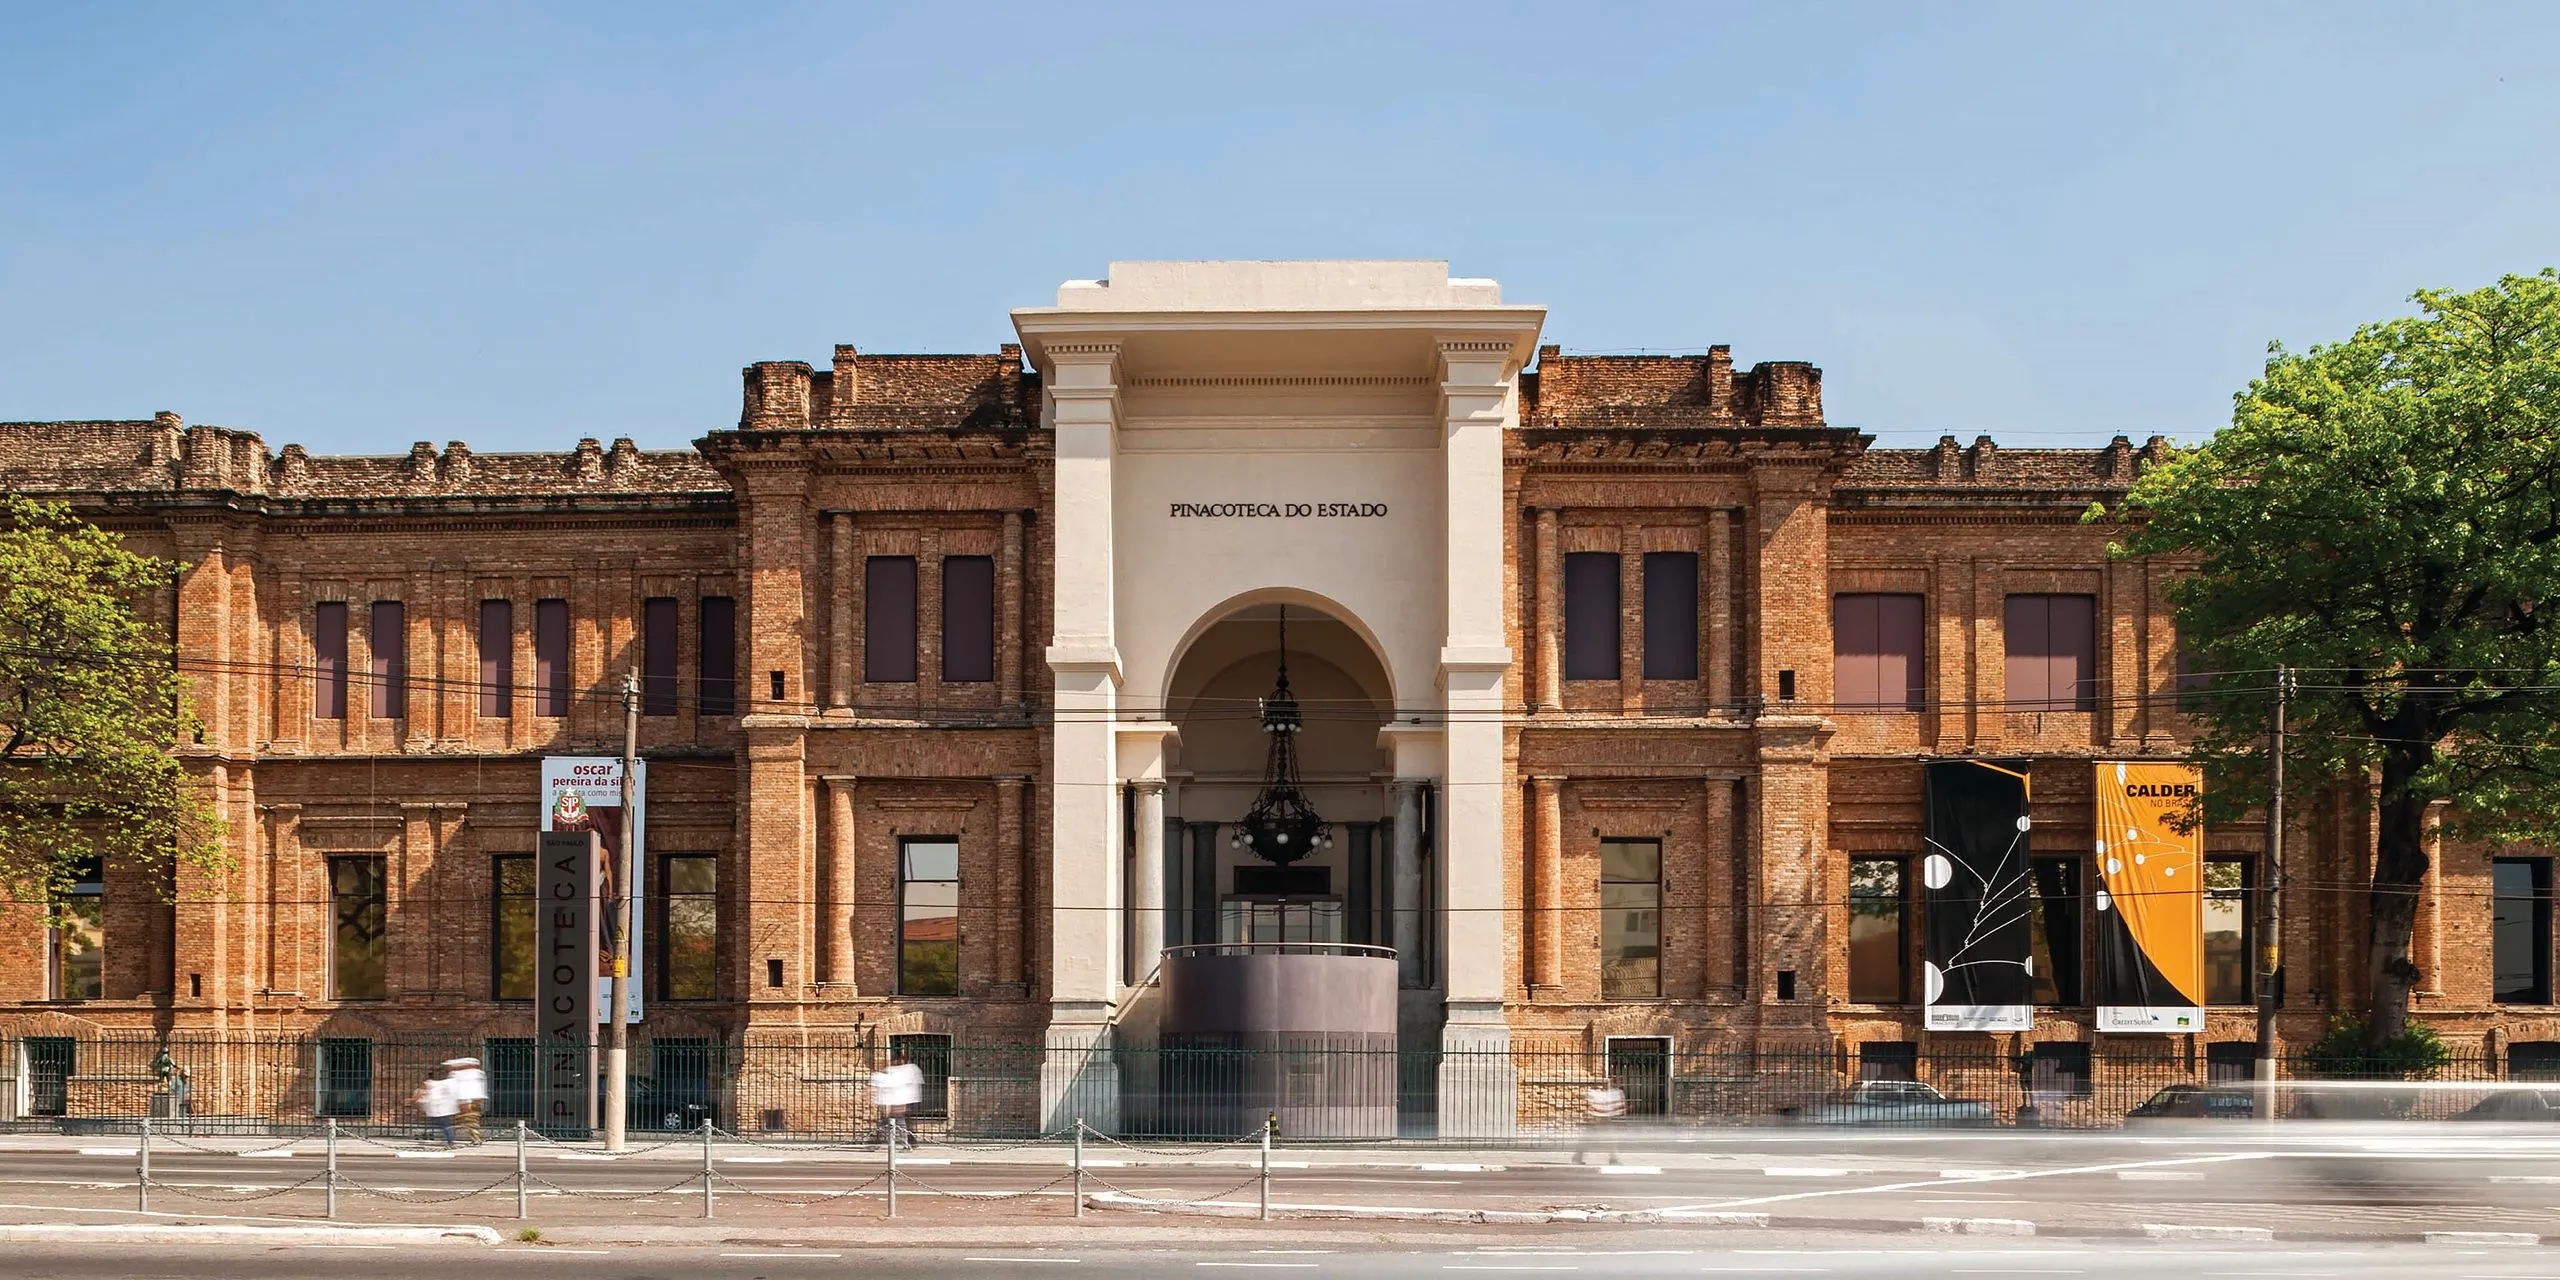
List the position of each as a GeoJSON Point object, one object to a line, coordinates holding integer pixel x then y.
{"type": "Point", "coordinates": [1980, 934]}
{"type": "Point", "coordinates": [565, 994]}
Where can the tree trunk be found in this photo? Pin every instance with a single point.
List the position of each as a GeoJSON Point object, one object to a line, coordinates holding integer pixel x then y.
{"type": "Point", "coordinates": [2399, 868]}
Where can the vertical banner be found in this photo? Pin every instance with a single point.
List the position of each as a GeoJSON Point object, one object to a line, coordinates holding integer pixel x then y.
{"type": "Point", "coordinates": [1980, 937]}
{"type": "Point", "coordinates": [2150, 902]}
{"type": "Point", "coordinates": [584, 793]}
{"type": "Point", "coordinates": [564, 940]}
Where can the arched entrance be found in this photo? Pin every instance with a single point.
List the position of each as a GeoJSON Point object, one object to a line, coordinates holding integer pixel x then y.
{"type": "Point", "coordinates": [1215, 698]}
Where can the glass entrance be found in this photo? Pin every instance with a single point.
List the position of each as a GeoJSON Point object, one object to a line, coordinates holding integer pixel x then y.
{"type": "Point", "coordinates": [1242, 919]}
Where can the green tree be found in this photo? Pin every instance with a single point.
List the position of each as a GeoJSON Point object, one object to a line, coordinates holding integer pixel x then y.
{"type": "Point", "coordinates": [2383, 515]}
{"type": "Point", "coordinates": [91, 709]}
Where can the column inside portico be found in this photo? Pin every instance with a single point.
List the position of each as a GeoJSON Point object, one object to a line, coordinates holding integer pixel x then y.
{"type": "Point", "coordinates": [1404, 878]}
{"type": "Point", "coordinates": [1148, 909]}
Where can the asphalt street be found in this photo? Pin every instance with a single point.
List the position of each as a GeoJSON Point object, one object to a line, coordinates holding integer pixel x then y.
{"type": "Point", "coordinates": [1774, 1262]}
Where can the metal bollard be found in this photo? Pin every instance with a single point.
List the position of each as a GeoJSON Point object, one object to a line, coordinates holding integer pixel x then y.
{"type": "Point", "coordinates": [706, 1168]}
{"type": "Point", "coordinates": [329, 1183]}
{"type": "Point", "coordinates": [1079, 1166]}
{"type": "Point", "coordinates": [893, 1166]}
{"type": "Point", "coordinates": [1266, 1171]}
{"type": "Point", "coordinates": [520, 1172]}
{"type": "Point", "coordinates": [142, 1168]}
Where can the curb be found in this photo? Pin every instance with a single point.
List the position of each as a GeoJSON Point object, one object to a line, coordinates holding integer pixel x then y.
{"type": "Point", "coordinates": [1122, 1201]}
{"type": "Point", "coordinates": [2179, 1231]}
{"type": "Point", "coordinates": [154, 1233]}
{"type": "Point", "coordinates": [2483, 1237]}
{"type": "Point", "coordinates": [1978, 1226]}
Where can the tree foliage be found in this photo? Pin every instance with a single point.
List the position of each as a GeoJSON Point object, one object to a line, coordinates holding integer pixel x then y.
{"type": "Point", "coordinates": [91, 710]}
{"type": "Point", "coordinates": [2383, 515]}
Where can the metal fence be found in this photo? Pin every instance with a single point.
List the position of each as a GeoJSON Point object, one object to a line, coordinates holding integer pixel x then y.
{"type": "Point", "coordinates": [819, 1088]}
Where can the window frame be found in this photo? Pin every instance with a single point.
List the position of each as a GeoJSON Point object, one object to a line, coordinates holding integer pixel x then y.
{"type": "Point", "coordinates": [931, 1053]}
{"type": "Point", "coordinates": [1855, 673]}
{"type": "Point", "coordinates": [1610, 911]}
{"type": "Point", "coordinates": [906, 984]}
{"type": "Point", "coordinates": [338, 925]}
{"type": "Point", "coordinates": [1590, 648]}
{"type": "Point", "coordinates": [328, 1095]}
{"type": "Point", "coordinates": [554, 658]}
{"type": "Point", "coordinates": [500, 899]}
{"type": "Point", "coordinates": [956, 641]}
{"type": "Point", "coordinates": [662, 926]}
{"type": "Point", "coordinates": [2017, 632]}
{"type": "Point", "coordinates": [2246, 896]}
{"type": "Point", "coordinates": [1902, 930]}
{"type": "Point", "coordinates": [387, 665]}
{"type": "Point", "coordinates": [716, 670]}
{"type": "Point", "coordinates": [86, 897]}
{"type": "Point", "coordinates": [661, 625]}
{"type": "Point", "coordinates": [2537, 926]}
{"type": "Point", "coordinates": [497, 635]}
{"type": "Point", "coordinates": [890, 634]}
{"type": "Point", "coordinates": [1669, 580]}
{"type": "Point", "coordinates": [329, 637]}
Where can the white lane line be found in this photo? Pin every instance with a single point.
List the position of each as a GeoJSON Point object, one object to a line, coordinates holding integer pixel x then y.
{"type": "Point", "coordinates": [346, 1246]}
{"type": "Point", "coordinates": [1060, 1261]}
{"type": "Point", "coordinates": [1630, 1168]}
{"type": "Point", "coordinates": [584, 1155]}
{"type": "Point", "coordinates": [279, 1153]}
{"type": "Point", "coordinates": [1458, 1168]}
{"type": "Point", "coordinates": [107, 1151]}
{"type": "Point", "coordinates": [2543, 1178]}
{"type": "Point", "coordinates": [1938, 1183]}
{"type": "Point", "coordinates": [751, 1159]}
{"type": "Point", "coordinates": [544, 1248]}
{"type": "Point", "coordinates": [2158, 1175]}
{"type": "Point", "coordinates": [424, 1155]}
{"type": "Point", "coordinates": [794, 1254]}
{"type": "Point", "coordinates": [1806, 1171]}
{"type": "Point", "coordinates": [1253, 1264]}
{"type": "Point", "coordinates": [1486, 1266]}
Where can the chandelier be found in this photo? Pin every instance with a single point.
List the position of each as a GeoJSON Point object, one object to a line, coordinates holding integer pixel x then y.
{"type": "Point", "coordinates": [1281, 827]}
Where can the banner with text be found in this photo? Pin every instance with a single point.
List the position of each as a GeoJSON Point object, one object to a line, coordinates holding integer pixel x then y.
{"type": "Point", "coordinates": [2150, 900]}
{"type": "Point", "coordinates": [1979, 939]}
{"type": "Point", "coordinates": [564, 943]}
{"type": "Point", "coordinates": [584, 793]}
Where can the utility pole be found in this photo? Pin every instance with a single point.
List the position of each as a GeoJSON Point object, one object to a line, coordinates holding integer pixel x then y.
{"type": "Point", "coordinates": [617, 1054]}
{"type": "Point", "coordinates": [2270, 919]}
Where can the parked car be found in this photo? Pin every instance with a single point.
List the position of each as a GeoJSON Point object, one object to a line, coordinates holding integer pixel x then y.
{"type": "Point", "coordinates": [1895, 1102]}
{"type": "Point", "coordinates": [2514, 1104]}
{"type": "Point", "coordinates": [2197, 1102]}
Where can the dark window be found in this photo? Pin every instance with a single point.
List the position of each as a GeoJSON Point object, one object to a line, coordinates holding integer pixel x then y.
{"type": "Point", "coordinates": [1630, 919]}
{"type": "Point", "coordinates": [2052, 648]}
{"type": "Point", "coordinates": [889, 619]}
{"type": "Point", "coordinates": [509, 1062]}
{"type": "Point", "coordinates": [343, 1072]}
{"type": "Point", "coordinates": [356, 913]}
{"type": "Point", "coordinates": [2058, 1066]}
{"type": "Point", "coordinates": [688, 927]}
{"type": "Point", "coordinates": [2058, 884]}
{"type": "Point", "coordinates": [1879, 916]}
{"type": "Point", "coordinates": [1875, 652]}
{"type": "Point", "coordinates": [719, 656]}
{"type": "Point", "coordinates": [1591, 615]}
{"type": "Point", "coordinates": [677, 1096]}
{"type": "Point", "coordinates": [2520, 930]}
{"type": "Point", "coordinates": [1641, 1068]}
{"type": "Point", "coordinates": [551, 657]}
{"type": "Point", "coordinates": [658, 656]}
{"type": "Point", "coordinates": [389, 662]}
{"type": "Point", "coordinates": [50, 1063]}
{"type": "Point", "coordinates": [1670, 615]}
{"type": "Point", "coordinates": [2230, 1060]}
{"type": "Point", "coordinates": [968, 618]}
{"type": "Point", "coordinates": [2228, 930]}
{"type": "Point", "coordinates": [329, 660]}
{"type": "Point", "coordinates": [929, 916]}
{"type": "Point", "coordinates": [79, 938]}
{"type": "Point", "coordinates": [497, 659]}
{"type": "Point", "coordinates": [1889, 1060]}
{"type": "Point", "coordinates": [511, 926]}
{"type": "Point", "coordinates": [2533, 1059]}
{"type": "Point", "coordinates": [932, 1056]}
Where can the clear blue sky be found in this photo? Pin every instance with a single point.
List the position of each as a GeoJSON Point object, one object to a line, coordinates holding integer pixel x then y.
{"type": "Point", "coordinates": [359, 225]}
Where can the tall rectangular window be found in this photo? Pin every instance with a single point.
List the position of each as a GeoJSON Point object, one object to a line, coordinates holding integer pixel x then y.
{"type": "Point", "coordinates": [357, 915]}
{"type": "Point", "coordinates": [929, 916]}
{"type": "Point", "coordinates": [49, 1063]}
{"type": "Point", "coordinates": [551, 657]}
{"type": "Point", "coordinates": [389, 662]}
{"type": "Point", "coordinates": [497, 659]}
{"type": "Point", "coordinates": [688, 959]}
{"type": "Point", "coordinates": [658, 656]}
{"type": "Point", "coordinates": [77, 955]}
{"type": "Point", "coordinates": [2056, 947]}
{"type": "Point", "coordinates": [2228, 931]}
{"type": "Point", "coordinates": [968, 619]}
{"type": "Point", "coordinates": [719, 670]}
{"type": "Point", "coordinates": [511, 926]}
{"type": "Point", "coordinates": [1879, 922]}
{"type": "Point", "coordinates": [1591, 615]}
{"type": "Point", "coordinates": [889, 619]}
{"type": "Point", "coordinates": [2052, 652]}
{"type": "Point", "coordinates": [342, 1073]}
{"type": "Point", "coordinates": [1630, 919]}
{"type": "Point", "coordinates": [1875, 652]}
{"type": "Point", "coordinates": [329, 660]}
{"type": "Point", "coordinates": [1670, 615]}
{"type": "Point", "coordinates": [2520, 930]}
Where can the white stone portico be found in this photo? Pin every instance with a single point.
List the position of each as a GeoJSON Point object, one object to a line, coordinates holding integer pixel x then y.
{"type": "Point", "coordinates": [1322, 435]}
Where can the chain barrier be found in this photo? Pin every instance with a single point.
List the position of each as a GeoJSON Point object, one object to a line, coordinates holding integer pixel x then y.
{"type": "Point", "coordinates": [179, 1190]}
{"type": "Point", "coordinates": [827, 1197]}
{"type": "Point", "coordinates": [690, 1180]}
{"type": "Point", "coordinates": [1251, 1139]}
{"type": "Point", "coordinates": [1212, 1197]}
{"type": "Point", "coordinates": [908, 1181]}
{"type": "Point", "coordinates": [688, 1141]}
{"type": "Point", "coordinates": [422, 1197]}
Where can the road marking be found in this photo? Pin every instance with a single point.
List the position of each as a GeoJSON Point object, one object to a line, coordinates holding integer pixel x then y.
{"type": "Point", "coordinates": [1806, 1171]}
{"type": "Point", "coordinates": [1630, 1168]}
{"type": "Point", "coordinates": [1316, 1251]}
{"type": "Point", "coordinates": [904, 1161]}
{"type": "Point", "coordinates": [2184, 1231]}
{"type": "Point", "coordinates": [278, 1153]}
{"type": "Point", "coordinates": [1062, 1261]}
{"type": "Point", "coordinates": [2524, 1177]}
{"type": "Point", "coordinates": [544, 1248]}
{"type": "Point", "coordinates": [1966, 1199]}
{"type": "Point", "coordinates": [2158, 1175]}
{"type": "Point", "coordinates": [751, 1159]}
{"type": "Point", "coordinates": [2018, 1271]}
{"type": "Point", "coordinates": [424, 1155]}
{"type": "Point", "coordinates": [346, 1246]}
{"type": "Point", "coordinates": [107, 1151]}
{"type": "Point", "coordinates": [1253, 1264]}
{"type": "Point", "coordinates": [794, 1254]}
{"type": "Point", "coordinates": [584, 1155]}
{"type": "Point", "coordinates": [1458, 1168]}
{"type": "Point", "coordinates": [1958, 1182]}
{"type": "Point", "coordinates": [1486, 1266]}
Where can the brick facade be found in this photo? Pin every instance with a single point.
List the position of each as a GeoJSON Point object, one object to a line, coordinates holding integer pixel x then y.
{"type": "Point", "coordinates": [803, 794]}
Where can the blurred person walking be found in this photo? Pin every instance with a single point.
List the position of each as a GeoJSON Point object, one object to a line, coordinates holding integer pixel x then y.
{"type": "Point", "coordinates": [1606, 1104]}
{"type": "Point", "coordinates": [436, 1101]}
{"type": "Point", "coordinates": [470, 1094]}
{"type": "Point", "coordinates": [894, 1088]}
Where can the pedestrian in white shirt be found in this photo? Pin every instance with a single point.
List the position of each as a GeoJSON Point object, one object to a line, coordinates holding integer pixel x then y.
{"type": "Point", "coordinates": [1607, 1104]}
{"type": "Point", "coordinates": [470, 1093]}
{"type": "Point", "coordinates": [894, 1088]}
{"type": "Point", "coordinates": [436, 1101]}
